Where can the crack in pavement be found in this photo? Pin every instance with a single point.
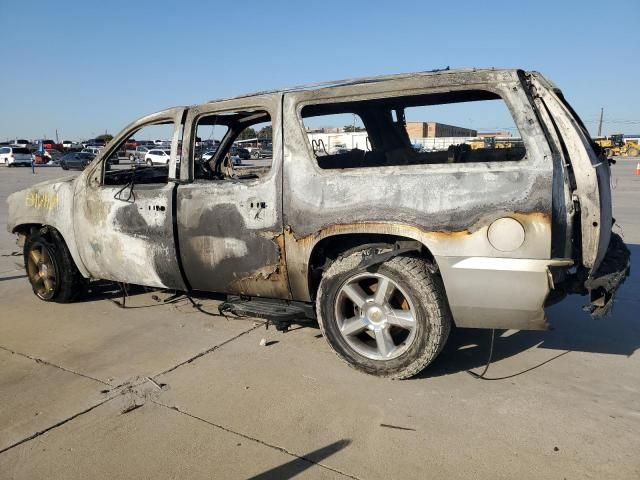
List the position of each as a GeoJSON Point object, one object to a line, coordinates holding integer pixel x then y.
{"type": "Point", "coordinates": [207, 351]}
{"type": "Point", "coordinates": [45, 362]}
{"type": "Point", "coordinates": [256, 440]}
{"type": "Point", "coordinates": [126, 387]}
{"type": "Point", "coordinates": [129, 390]}
{"type": "Point", "coordinates": [56, 425]}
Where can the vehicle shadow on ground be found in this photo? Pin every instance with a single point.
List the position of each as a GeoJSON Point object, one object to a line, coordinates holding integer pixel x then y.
{"type": "Point", "coordinates": [12, 277]}
{"type": "Point", "coordinates": [120, 294]}
{"type": "Point", "coordinates": [304, 462]}
{"type": "Point", "coordinates": [107, 290]}
{"type": "Point", "coordinates": [571, 330]}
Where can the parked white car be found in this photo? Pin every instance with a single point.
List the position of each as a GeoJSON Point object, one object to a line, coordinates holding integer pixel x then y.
{"type": "Point", "coordinates": [92, 150]}
{"type": "Point", "coordinates": [20, 142]}
{"type": "Point", "coordinates": [137, 155]}
{"type": "Point", "coordinates": [158, 157]}
{"type": "Point", "coordinates": [14, 156]}
{"type": "Point", "coordinates": [206, 156]}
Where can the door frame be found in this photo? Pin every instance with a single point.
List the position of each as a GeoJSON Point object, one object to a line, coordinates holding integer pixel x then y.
{"type": "Point", "coordinates": [268, 279]}
{"type": "Point", "coordinates": [106, 228]}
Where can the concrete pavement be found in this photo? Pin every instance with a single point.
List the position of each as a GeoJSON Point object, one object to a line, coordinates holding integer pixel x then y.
{"type": "Point", "coordinates": [165, 390]}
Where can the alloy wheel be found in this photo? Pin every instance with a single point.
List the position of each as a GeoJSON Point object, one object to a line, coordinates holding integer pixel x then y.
{"type": "Point", "coordinates": [42, 271]}
{"type": "Point", "coordinates": [375, 316]}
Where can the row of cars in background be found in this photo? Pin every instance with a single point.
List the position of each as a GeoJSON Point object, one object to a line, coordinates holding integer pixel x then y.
{"type": "Point", "coordinates": [77, 155]}
{"type": "Point", "coordinates": [145, 155]}
{"type": "Point", "coordinates": [21, 152]}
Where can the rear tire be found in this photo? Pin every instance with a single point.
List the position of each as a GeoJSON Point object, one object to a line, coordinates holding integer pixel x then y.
{"type": "Point", "coordinates": [50, 268]}
{"type": "Point", "coordinates": [149, 163]}
{"type": "Point", "coordinates": [632, 152]}
{"type": "Point", "coordinates": [416, 293]}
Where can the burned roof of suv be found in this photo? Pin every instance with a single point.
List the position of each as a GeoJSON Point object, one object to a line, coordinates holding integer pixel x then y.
{"type": "Point", "coordinates": [364, 80]}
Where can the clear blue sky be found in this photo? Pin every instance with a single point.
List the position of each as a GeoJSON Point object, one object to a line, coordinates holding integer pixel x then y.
{"type": "Point", "coordinates": [84, 67]}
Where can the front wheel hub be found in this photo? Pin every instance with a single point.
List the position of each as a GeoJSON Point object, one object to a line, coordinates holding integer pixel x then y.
{"type": "Point", "coordinates": [41, 271]}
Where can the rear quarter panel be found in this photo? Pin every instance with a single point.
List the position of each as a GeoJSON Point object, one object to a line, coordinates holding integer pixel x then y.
{"type": "Point", "coordinates": [447, 207]}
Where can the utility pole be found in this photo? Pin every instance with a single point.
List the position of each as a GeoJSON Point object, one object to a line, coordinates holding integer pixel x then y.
{"type": "Point", "coordinates": [600, 124]}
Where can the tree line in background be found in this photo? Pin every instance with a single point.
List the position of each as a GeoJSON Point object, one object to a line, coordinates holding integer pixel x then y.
{"type": "Point", "coordinates": [263, 134]}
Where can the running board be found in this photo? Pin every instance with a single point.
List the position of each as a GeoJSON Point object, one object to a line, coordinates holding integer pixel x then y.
{"type": "Point", "coordinates": [281, 313]}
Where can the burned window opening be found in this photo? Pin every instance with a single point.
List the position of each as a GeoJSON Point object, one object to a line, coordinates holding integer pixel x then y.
{"type": "Point", "coordinates": [147, 150]}
{"type": "Point", "coordinates": [389, 139]}
{"type": "Point", "coordinates": [241, 151]}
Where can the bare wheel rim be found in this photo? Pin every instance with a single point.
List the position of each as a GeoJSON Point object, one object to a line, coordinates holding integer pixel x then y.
{"type": "Point", "coordinates": [375, 316]}
{"type": "Point", "coordinates": [42, 271]}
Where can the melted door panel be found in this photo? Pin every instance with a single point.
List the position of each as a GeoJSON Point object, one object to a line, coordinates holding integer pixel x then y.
{"type": "Point", "coordinates": [231, 231]}
{"type": "Point", "coordinates": [231, 238]}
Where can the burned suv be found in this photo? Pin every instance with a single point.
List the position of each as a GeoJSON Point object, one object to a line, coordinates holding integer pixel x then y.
{"type": "Point", "coordinates": [386, 245]}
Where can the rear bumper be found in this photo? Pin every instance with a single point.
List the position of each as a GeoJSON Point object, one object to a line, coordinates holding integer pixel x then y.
{"type": "Point", "coordinates": [488, 292]}
{"type": "Point", "coordinates": [611, 273]}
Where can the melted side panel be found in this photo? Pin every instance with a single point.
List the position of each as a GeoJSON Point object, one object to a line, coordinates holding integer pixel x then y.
{"type": "Point", "coordinates": [231, 247]}
{"type": "Point", "coordinates": [447, 207]}
{"type": "Point", "coordinates": [456, 243]}
{"type": "Point", "coordinates": [129, 241]}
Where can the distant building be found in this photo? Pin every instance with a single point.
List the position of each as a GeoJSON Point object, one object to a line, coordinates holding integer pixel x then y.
{"type": "Point", "coordinates": [325, 130]}
{"type": "Point", "coordinates": [501, 134]}
{"type": "Point", "coordinates": [435, 129]}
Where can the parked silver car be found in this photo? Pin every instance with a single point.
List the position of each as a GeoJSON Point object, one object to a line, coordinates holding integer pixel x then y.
{"type": "Point", "coordinates": [137, 155]}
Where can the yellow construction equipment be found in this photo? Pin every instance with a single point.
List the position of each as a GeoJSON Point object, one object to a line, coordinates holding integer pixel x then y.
{"type": "Point", "coordinates": [631, 148]}
{"type": "Point", "coordinates": [611, 145]}
{"type": "Point", "coordinates": [489, 143]}
{"type": "Point", "coordinates": [616, 145]}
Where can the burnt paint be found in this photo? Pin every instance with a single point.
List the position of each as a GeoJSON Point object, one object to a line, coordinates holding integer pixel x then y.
{"type": "Point", "coordinates": [254, 272]}
{"type": "Point", "coordinates": [129, 220]}
{"type": "Point", "coordinates": [300, 248]}
{"type": "Point", "coordinates": [429, 203]}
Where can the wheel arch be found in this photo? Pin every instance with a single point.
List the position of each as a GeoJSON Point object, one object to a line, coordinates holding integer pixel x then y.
{"type": "Point", "coordinates": [331, 247]}
{"type": "Point", "coordinates": [25, 229]}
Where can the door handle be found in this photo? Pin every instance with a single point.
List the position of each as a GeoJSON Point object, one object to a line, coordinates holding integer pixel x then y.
{"type": "Point", "coordinates": [258, 206]}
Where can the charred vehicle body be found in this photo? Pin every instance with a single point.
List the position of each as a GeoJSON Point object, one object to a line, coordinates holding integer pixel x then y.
{"type": "Point", "coordinates": [386, 246]}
